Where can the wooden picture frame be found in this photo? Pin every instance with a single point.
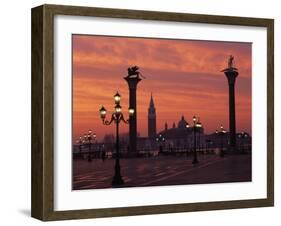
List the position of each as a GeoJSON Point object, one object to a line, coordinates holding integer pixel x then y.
{"type": "Point", "coordinates": [43, 111]}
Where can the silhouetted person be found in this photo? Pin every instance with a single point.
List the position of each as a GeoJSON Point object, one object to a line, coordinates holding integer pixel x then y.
{"type": "Point", "coordinates": [160, 149]}
{"type": "Point", "coordinates": [103, 156]}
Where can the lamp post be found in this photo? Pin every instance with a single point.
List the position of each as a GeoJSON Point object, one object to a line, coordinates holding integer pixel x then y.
{"type": "Point", "coordinates": [116, 117]}
{"type": "Point", "coordinates": [208, 146]}
{"type": "Point", "coordinates": [89, 138]}
{"type": "Point", "coordinates": [221, 134]}
{"type": "Point", "coordinates": [242, 136]}
{"type": "Point", "coordinates": [187, 127]}
{"type": "Point", "coordinates": [94, 144]}
{"type": "Point", "coordinates": [245, 137]}
{"type": "Point", "coordinates": [80, 143]}
{"type": "Point", "coordinates": [85, 141]}
{"type": "Point", "coordinates": [196, 125]}
{"type": "Point", "coordinates": [160, 139]}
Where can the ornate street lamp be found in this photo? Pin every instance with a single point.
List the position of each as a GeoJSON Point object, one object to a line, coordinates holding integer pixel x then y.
{"type": "Point", "coordinates": [187, 126]}
{"type": "Point", "coordinates": [85, 141]}
{"type": "Point", "coordinates": [208, 146]}
{"type": "Point", "coordinates": [242, 136]}
{"type": "Point", "coordinates": [95, 143]}
{"type": "Point", "coordinates": [80, 143]}
{"type": "Point", "coordinates": [199, 126]}
{"type": "Point", "coordinates": [160, 139]}
{"type": "Point", "coordinates": [117, 98]}
{"type": "Point", "coordinates": [116, 117]}
{"type": "Point", "coordinates": [195, 127]}
{"type": "Point", "coordinates": [89, 137]}
{"type": "Point", "coordinates": [221, 134]}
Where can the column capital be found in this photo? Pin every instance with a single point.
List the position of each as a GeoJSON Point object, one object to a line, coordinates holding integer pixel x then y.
{"type": "Point", "coordinates": [231, 74]}
{"type": "Point", "coordinates": [132, 81]}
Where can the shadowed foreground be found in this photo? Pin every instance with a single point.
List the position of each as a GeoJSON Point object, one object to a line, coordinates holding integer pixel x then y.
{"type": "Point", "coordinates": [162, 170]}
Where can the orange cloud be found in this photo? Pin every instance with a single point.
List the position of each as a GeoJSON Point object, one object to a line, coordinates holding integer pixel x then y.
{"type": "Point", "coordinates": [183, 75]}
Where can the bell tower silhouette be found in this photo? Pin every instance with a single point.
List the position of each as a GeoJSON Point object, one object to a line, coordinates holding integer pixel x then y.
{"type": "Point", "coordinates": [151, 119]}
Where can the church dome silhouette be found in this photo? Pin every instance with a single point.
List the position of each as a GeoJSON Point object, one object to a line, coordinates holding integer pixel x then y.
{"type": "Point", "coordinates": [182, 123]}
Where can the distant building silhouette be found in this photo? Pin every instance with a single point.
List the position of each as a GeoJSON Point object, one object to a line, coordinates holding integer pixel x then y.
{"type": "Point", "coordinates": [151, 119]}
{"type": "Point", "coordinates": [180, 136]}
{"type": "Point", "coordinates": [182, 123]}
{"type": "Point", "coordinates": [166, 126]}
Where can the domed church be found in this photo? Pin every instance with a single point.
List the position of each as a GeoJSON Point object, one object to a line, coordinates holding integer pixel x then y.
{"type": "Point", "coordinates": [181, 131]}
{"type": "Point", "coordinates": [180, 136]}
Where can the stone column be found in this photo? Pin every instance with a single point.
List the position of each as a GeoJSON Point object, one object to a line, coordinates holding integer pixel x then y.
{"type": "Point", "coordinates": [132, 83]}
{"type": "Point", "coordinates": [231, 74]}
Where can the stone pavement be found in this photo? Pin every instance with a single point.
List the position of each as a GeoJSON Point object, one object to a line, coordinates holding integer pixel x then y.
{"type": "Point", "coordinates": [162, 170]}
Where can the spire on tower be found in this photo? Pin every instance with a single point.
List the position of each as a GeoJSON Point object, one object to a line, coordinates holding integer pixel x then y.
{"type": "Point", "coordinates": [151, 119]}
{"type": "Point", "coordinates": [166, 126]}
{"type": "Point", "coordinates": [151, 104]}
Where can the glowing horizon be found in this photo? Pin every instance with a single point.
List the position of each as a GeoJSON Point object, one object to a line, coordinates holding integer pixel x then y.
{"type": "Point", "coordinates": [184, 76]}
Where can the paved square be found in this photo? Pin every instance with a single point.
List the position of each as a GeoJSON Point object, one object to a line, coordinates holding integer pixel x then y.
{"type": "Point", "coordinates": [162, 170]}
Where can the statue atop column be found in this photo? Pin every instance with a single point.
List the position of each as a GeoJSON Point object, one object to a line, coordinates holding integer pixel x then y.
{"type": "Point", "coordinates": [230, 64]}
{"type": "Point", "coordinates": [230, 61]}
{"type": "Point", "coordinates": [134, 72]}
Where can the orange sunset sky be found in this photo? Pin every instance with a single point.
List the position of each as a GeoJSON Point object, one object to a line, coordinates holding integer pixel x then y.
{"type": "Point", "coordinates": [184, 77]}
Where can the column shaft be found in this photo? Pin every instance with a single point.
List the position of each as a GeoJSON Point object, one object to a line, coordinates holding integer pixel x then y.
{"type": "Point", "coordinates": [231, 74]}
{"type": "Point", "coordinates": [232, 122]}
{"type": "Point", "coordinates": [132, 83]}
{"type": "Point", "coordinates": [133, 121]}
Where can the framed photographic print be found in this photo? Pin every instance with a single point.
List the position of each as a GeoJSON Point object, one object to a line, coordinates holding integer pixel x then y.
{"type": "Point", "coordinates": [141, 112]}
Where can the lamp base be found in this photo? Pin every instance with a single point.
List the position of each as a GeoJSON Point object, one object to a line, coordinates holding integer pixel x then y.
{"type": "Point", "coordinates": [117, 180]}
